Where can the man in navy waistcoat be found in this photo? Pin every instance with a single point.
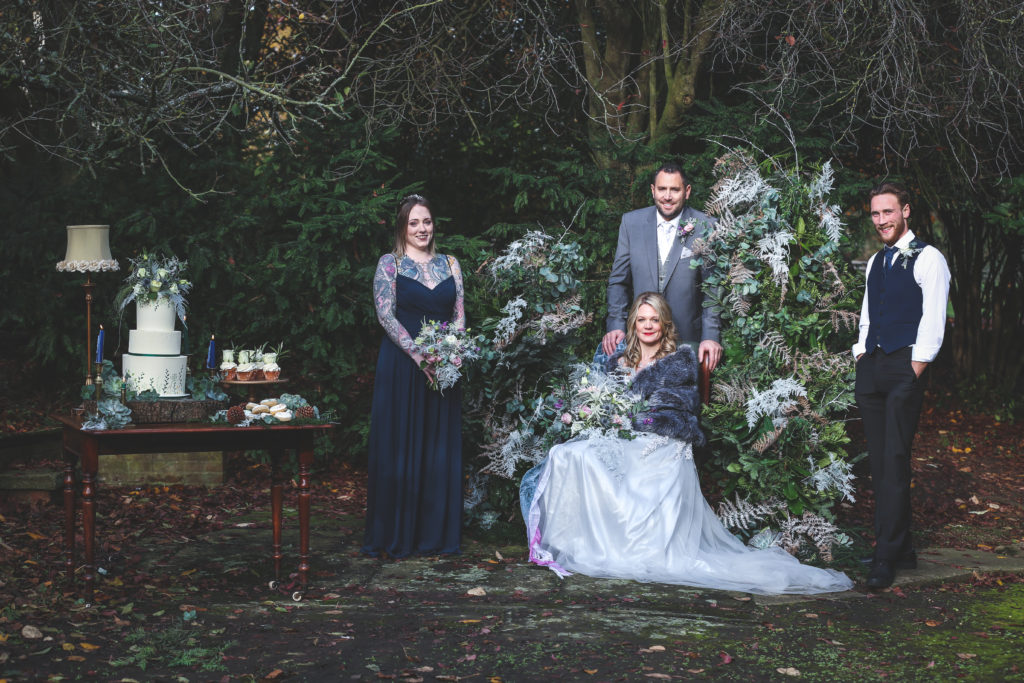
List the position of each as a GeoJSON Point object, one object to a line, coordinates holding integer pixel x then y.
{"type": "Point", "coordinates": [902, 323]}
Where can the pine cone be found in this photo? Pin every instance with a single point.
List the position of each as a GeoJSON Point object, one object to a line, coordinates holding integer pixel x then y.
{"type": "Point", "coordinates": [236, 415]}
{"type": "Point", "coordinates": [306, 412]}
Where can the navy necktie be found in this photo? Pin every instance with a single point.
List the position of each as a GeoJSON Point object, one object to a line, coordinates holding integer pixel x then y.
{"type": "Point", "coordinates": [890, 254]}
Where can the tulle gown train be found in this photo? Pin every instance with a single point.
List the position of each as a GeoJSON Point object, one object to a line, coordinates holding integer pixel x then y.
{"type": "Point", "coordinates": [634, 509]}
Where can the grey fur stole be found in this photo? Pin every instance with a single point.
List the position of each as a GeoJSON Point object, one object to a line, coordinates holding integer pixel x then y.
{"type": "Point", "coordinates": [669, 386]}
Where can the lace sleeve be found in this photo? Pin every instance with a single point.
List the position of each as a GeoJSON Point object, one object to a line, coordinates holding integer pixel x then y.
{"type": "Point", "coordinates": [459, 312]}
{"type": "Point", "coordinates": [384, 299]}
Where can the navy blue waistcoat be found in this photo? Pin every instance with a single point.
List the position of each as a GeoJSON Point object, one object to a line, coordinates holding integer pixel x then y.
{"type": "Point", "coordinates": [894, 301]}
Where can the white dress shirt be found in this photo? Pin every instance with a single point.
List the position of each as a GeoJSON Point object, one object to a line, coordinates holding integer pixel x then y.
{"type": "Point", "coordinates": [932, 274]}
{"type": "Point", "coordinates": [668, 230]}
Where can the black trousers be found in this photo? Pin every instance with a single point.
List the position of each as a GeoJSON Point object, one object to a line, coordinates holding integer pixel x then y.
{"type": "Point", "coordinates": [889, 395]}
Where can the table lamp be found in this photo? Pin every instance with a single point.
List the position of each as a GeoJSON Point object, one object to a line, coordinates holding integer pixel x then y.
{"type": "Point", "coordinates": [88, 252]}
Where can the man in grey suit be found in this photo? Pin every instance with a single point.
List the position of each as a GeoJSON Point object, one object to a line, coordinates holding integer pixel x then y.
{"type": "Point", "coordinates": [653, 255]}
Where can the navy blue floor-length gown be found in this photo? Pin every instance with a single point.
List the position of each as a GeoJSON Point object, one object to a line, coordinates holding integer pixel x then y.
{"type": "Point", "coordinates": [414, 496]}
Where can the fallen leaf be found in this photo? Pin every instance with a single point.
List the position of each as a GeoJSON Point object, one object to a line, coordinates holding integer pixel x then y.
{"type": "Point", "coordinates": [788, 671]}
{"type": "Point", "coordinates": [811, 615]}
{"type": "Point", "coordinates": [31, 632]}
{"type": "Point", "coordinates": [470, 621]}
{"type": "Point", "coordinates": [966, 655]}
{"type": "Point", "coordinates": [590, 672]}
{"type": "Point", "coordinates": [498, 555]}
{"type": "Point", "coordinates": [76, 658]}
{"type": "Point", "coordinates": [695, 671]}
{"type": "Point", "coordinates": [653, 648]}
{"type": "Point", "coordinates": [476, 591]}
{"type": "Point", "coordinates": [69, 647]}
{"type": "Point", "coordinates": [726, 657]}
{"type": "Point", "coordinates": [88, 647]}
{"type": "Point", "coordinates": [932, 622]}
{"type": "Point", "coordinates": [274, 674]}
{"type": "Point", "coordinates": [660, 676]}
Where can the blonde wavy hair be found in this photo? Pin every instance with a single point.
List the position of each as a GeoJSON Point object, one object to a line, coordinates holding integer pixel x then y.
{"type": "Point", "coordinates": [632, 354]}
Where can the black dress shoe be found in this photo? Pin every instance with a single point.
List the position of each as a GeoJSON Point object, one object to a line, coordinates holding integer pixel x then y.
{"type": "Point", "coordinates": [907, 561]}
{"type": "Point", "coordinates": [881, 574]}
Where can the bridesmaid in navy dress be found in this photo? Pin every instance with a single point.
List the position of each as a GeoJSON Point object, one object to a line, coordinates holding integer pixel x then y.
{"type": "Point", "coordinates": [414, 496]}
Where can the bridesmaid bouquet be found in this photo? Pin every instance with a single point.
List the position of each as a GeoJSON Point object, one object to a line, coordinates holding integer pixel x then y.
{"type": "Point", "coordinates": [447, 349]}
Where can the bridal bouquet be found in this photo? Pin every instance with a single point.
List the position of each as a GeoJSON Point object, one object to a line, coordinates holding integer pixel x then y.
{"type": "Point", "coordinates": [597, 404]}
{"type": "Point", "coordinates": [446, 349]}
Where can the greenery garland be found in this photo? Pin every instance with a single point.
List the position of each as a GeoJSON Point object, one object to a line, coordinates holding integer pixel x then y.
{"type": "Point", "coordinates": [776, 422]}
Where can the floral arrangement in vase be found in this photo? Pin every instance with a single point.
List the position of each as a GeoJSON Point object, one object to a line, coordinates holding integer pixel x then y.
{"type": "Point", "coordinates": [152, 277]}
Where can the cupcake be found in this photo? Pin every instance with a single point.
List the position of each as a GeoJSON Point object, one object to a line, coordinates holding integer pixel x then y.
{"type": "Point", "coordinates": [229, 369]}
{"type": "Point", "coordinates": [271, 371]}
{"type": "Point", "coordinates": [245, 371]}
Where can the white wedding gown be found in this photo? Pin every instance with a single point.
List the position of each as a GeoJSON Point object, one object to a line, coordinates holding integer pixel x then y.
{"type": "Point", "coordinates": [609, 507]}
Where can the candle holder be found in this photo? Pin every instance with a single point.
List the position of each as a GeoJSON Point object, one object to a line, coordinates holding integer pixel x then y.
{"type": "Point", "coordinates": [99, 380]}
{"type": "Point", "coordinates": [88, 252]}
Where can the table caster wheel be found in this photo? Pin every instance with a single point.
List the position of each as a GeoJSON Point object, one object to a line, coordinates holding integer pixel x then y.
{"type": "Point", "coordinates": [273, 585]}
{"type": "Point", "coordinates": [297, 596]}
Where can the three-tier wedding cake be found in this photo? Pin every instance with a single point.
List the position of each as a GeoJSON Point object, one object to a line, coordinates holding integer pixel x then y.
{"type": "Point", "coordinates": [154, 361]}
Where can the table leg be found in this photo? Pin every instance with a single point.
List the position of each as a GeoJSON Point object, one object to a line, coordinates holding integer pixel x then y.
{"type": "Point", "coordinates": [90, 463]}
{"type": "Point", "coordinates": [69, 514]}
{"type": "Point", "coordinates": [275, 507]}
{"type": "Point", "coordinates": [305, 461]}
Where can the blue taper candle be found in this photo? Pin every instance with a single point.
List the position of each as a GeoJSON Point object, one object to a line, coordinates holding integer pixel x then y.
{"type": "Point", "coordinates": [99, 345]}
{"type": "Point", "coordinates": [211, 355]}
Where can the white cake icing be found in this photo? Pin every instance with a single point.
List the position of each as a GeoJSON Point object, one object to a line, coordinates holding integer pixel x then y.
{"type": "Point", "coordinates": [154, 342]}
{"type": "Point", "coordinates": [154, 361]}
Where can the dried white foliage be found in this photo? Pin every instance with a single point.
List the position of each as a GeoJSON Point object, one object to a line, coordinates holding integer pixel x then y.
{"type": "Point", "coordinates": [742, 514]}
{"type": "Point", "coordinates": [775, 344]}
{"type": "Point", "coordinates": [816, 530]}
{"type": "Point", "coordinates": [822, 184]}
{"type": "Point", "coordinates": [508, 327]}
{"type": "Point", "coordinates": [773, 249]}
{"type": "Point", "coordinates": [837, 476]}
{"type": "Point", "coordinates": [740, 189]}
{"type": "Point", "coordinates": [526, 251]}
{"type": "Point", "coordinates": [567, 317]}
{"type": "Point", "coordinates": [774, 402]}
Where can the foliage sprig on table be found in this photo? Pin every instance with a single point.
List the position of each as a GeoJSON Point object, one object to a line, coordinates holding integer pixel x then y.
{"type": "Point", "coordinates": [789, 309]}
{"type": "Point", "coordinates": [152, 277]}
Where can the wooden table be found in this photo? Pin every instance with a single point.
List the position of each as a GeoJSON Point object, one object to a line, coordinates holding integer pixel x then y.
{"type": "Point", "coordinates": [87, 445]}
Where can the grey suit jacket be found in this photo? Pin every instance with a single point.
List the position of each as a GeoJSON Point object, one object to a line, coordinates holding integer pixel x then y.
{"type": "Point", "coordinates": [635, 270]}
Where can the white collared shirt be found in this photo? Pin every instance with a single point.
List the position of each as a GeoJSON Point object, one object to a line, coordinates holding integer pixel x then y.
{"type": "Point", "coordinates": [932, 274]}
{"type": "Point", "coordinates": [667, 233]}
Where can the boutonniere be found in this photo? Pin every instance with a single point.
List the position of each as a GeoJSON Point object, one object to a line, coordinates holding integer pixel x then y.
{"type": "Point", "coordinates": [908, 252]}
{"type": "Point", "coordinates": [685, 230]}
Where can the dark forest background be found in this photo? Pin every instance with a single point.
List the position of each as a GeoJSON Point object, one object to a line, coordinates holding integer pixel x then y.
{"type": "Point", "coordinates": [268, 143]}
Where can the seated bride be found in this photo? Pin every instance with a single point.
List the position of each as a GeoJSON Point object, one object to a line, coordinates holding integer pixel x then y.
{"type": "Point", "coordinates": [608, 506]}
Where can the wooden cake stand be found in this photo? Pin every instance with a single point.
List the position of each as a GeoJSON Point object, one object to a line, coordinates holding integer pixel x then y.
{"type": "Point", "coordinates": [251, 386]}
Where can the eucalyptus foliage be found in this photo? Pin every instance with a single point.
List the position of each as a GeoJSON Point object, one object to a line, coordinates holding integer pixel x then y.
{"type": "Point", "coordinates": [788, 300]}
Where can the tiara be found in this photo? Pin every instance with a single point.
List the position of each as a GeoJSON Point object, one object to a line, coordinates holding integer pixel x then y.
{"type": "Point", "coordinates": [414, 198]}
